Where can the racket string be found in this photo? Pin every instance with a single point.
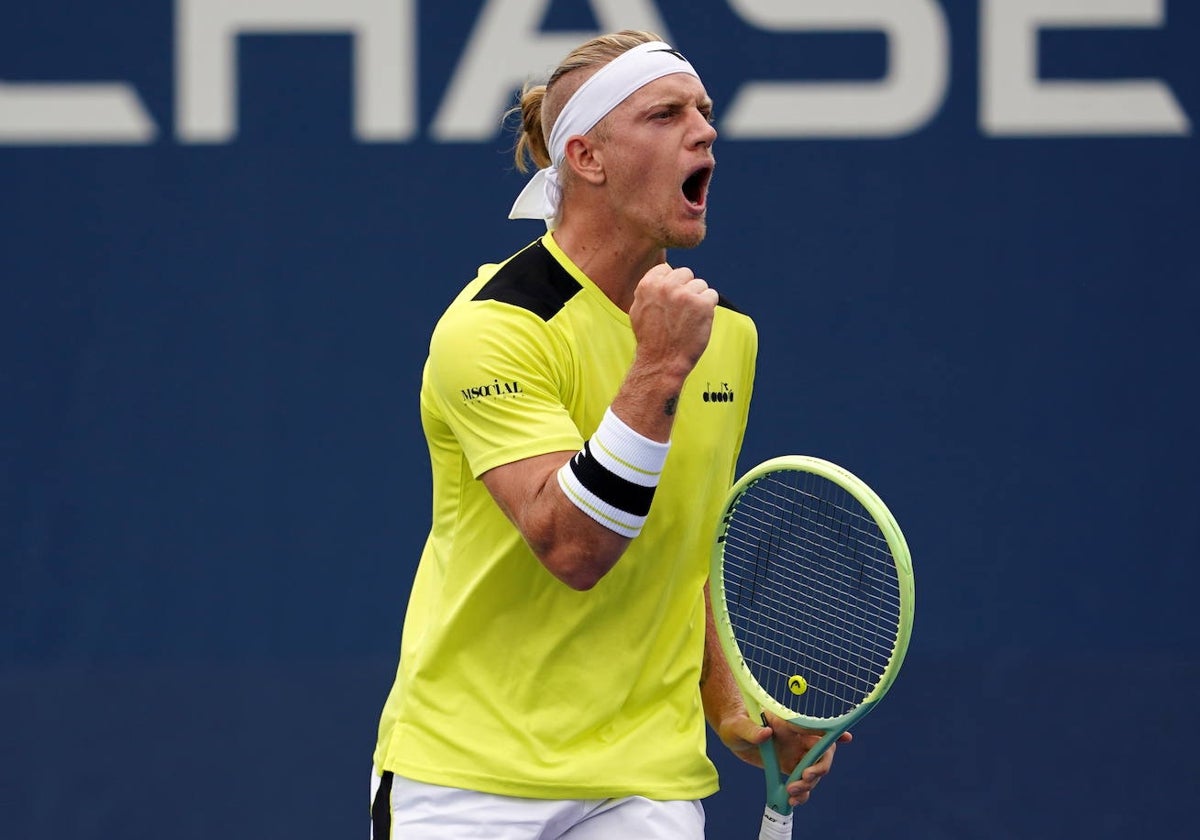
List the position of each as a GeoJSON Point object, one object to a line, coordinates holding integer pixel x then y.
{"type": "Point", "coordinates": [812, 590]}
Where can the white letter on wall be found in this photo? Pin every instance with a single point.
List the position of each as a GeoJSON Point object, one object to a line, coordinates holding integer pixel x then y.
{"type": "Point", "coordinates": [909, 95]}
{"type": "Point", "coordinates": [206, 60]}
{"type": "Point", "coordinates": [506, 48]}
{"type": "Point", "coordinates": [1014, 102]}
{"type": "Point", "coordinates": [46, 113]}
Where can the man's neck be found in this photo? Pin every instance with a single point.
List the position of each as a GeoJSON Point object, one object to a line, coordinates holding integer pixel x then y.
{"type": "Point", "coordinates": [614, 262]}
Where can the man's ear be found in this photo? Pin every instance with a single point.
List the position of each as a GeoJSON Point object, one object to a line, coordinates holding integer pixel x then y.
{"type": "Point", "coordinates": [586, 160]}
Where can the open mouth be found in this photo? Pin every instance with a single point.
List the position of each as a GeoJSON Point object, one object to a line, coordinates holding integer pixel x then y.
{"type": "Point", "coordinates": [695, 187]}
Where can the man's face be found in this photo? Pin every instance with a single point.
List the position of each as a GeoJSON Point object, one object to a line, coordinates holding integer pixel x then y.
{"type": "Point", "coordinates": [657, 152]}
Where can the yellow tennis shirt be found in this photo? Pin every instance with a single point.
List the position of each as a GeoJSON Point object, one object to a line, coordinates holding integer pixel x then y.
{"type": "Point", "coordinates": [509, 681]}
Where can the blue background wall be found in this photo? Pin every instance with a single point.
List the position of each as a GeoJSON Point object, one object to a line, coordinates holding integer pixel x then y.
{"type": "Point", "coordinates": [213, 486]}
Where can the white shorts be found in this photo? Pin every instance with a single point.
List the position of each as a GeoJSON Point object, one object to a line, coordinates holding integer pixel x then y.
{"type": "Point", "coordinates": [402, 809]}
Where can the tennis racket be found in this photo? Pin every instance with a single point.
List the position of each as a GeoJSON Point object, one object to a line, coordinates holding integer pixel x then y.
{"type": "Point", "coordinates": [812, 597]}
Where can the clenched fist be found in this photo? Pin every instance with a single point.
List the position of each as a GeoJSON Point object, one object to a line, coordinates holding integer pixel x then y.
{"type": "Point", "coordinates": [672, 317]}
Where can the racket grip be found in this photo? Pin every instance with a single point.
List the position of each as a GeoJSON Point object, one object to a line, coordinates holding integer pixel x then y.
{"type": "Point", "coordinates": [775, 826]}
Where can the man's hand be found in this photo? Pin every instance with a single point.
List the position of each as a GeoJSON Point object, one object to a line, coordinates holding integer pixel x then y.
{"type": "Point", "coordinates": [743, 735]}
{"type": "Point", "coordinates": [672, 316]}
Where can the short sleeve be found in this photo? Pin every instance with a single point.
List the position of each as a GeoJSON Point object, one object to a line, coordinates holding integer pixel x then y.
{"type": "Point", "coordinates": [499, 377]}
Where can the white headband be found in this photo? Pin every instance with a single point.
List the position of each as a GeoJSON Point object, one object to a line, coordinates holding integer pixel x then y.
{"type": "Point", "coordinates": [611, 85]}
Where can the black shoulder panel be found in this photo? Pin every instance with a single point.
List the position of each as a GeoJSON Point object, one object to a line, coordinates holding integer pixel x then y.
{"type": "Point", "coordinates": [532, 280]}
{"type": "Point", "coordinates": [727, 304]}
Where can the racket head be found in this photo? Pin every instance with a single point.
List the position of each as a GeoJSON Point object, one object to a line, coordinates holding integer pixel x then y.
{"type": "Point", "coordinates": [811, 576]}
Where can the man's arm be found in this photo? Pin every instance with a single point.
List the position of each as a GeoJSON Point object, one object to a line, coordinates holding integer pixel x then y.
{"type": "Point", "coordinates": [672, 317]}
{"type": "Point", "coordinates": [570, 544]}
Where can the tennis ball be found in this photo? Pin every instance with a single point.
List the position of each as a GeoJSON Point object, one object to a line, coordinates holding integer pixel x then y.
{"type": "Point", "coordinates": [798, 684]}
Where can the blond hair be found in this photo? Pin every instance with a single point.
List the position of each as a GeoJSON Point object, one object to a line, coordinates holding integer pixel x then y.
{"type": "Point", "coordinates": [540, 104]}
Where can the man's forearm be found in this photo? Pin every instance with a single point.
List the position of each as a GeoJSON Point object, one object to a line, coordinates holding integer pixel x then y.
{"type": "Point", "coordinates": [718, 690]}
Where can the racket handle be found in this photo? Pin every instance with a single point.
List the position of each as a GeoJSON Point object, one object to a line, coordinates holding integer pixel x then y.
{"type": "Point", "coordinates": [775, 826]}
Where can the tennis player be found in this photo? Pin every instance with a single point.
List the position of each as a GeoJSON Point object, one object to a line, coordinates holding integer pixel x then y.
{"type": "Point", "coordinates": [584, 402]}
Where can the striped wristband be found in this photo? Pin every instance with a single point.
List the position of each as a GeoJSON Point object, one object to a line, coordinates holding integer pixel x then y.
{"type": "Point", "coordinates": [613, 478]}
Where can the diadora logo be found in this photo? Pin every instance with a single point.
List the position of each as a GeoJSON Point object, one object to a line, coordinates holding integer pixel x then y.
{"type": "Point", "coordinates": [723, 394]}
{"type": "Point", "coordinates": [495, 388]}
